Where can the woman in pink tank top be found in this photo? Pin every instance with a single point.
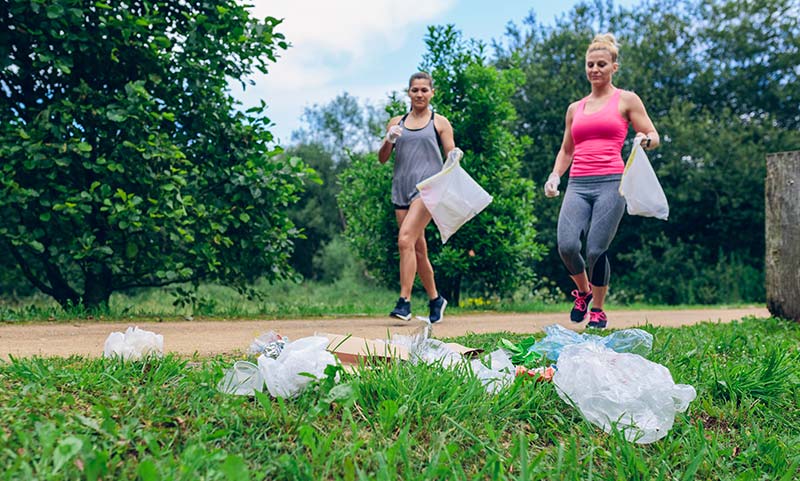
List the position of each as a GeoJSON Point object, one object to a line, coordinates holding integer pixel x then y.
{"type": "Point", "coordinates": [596, 127]}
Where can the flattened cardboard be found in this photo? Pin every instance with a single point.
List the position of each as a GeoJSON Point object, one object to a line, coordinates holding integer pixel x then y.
{"type": "Point", "coordinates": [349, 349]}
{"type": "Point", "coordinates": [467, 352]}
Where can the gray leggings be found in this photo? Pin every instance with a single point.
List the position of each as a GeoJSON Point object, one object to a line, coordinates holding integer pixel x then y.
{"type": "Point", "coordinates": [592, 207]}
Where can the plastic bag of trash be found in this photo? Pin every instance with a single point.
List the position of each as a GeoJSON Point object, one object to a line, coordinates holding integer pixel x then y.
{"type": "Point", "coordinates": [242, 379]}
{"type": "Point", "coordinates": [608, 388]}
{"type": "Point", "coordinates": [452, 196]}
{"type": "Point", "coordinates": [498, 374]}
{"type": "Point", "coordinates": [134, 344]}
{"type": "Point", "coordinates": [635, 341]}
{"type": "Point", "coordinates": [299, 363]}
{"type": "Point", "coordinates": [639, 185]}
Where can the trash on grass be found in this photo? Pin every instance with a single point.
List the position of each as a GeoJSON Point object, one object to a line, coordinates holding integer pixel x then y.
{"type": "Point", "coordinates": [622, 389]}
{"type": "Point", "coordinates": [270, 344]}
{"type": "Point", "coordinates": [635, 341]}
{"type": "Point", "coordinates": [134, 344]}
{"type": "Point", "coordinates": [299, 363]}
{"type": "Point", "coordinates": [242, 379]}
{"type": "Point", "coordinates": [498, 374]}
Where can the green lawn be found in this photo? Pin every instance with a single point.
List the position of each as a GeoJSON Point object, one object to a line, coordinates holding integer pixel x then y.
{"type": "Point", "coordinates": [93, 419]}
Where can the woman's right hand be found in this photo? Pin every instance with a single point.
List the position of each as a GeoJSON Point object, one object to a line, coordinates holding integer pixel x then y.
{"type": "Point", "coordinates": [394, 133]}
{"type": "Point", "coordinates": [551, 186]}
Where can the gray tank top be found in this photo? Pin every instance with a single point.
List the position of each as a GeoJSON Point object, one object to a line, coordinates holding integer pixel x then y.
{"type": "Point", "coordinates": [417, 157]}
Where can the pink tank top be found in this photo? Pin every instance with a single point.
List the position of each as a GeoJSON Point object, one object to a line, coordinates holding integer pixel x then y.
{"type": "Point", "coordinates": [598, 139]}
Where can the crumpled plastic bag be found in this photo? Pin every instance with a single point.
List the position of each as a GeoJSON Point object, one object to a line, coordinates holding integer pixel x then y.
{"type": "Point", "coordinates": [299, 363]}
{"type": "Point", "coordinates": [270, 343]}
{"type": "Point", "coordinates": [498, 374]}
{"type": "Point", "coordinates": [134, 344]}
{"type": "Point", "coordinates": [242, 379]}
{"type": "Point", "coordinates": [422, 349]}
{"type": "Point", "coordinates": [608, 387]}
{"type": "Point", "coordinates": [635, 341]}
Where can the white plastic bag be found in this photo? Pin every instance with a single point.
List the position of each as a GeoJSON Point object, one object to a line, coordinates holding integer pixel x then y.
{"type": "Point", "coordinates": [627, 389]}
{"type": "Point", "coordinates": [641, 189]}
{"type": "Point", "coordinates": [452, 197]}
{"type": "Point", "coordinates": [499, 374]}
{"type": "Point", "coordinates": [242, 379]}
{"type": "Point", "coordinates": [299, 363]}
{"type": "Point", "coordinates": [134, 344]}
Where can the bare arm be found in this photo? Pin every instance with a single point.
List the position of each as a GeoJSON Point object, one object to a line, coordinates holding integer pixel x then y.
{"type": "Point", "coordinates": [564, 156]}
{"type": "Point", "coordinates": [641, 121]}
{"type": "Point", "coordinates": [386, 147]}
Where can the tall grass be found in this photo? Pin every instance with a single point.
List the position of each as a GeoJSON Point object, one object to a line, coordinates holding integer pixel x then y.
{"type": "Point", "coordinates": [164, 419]}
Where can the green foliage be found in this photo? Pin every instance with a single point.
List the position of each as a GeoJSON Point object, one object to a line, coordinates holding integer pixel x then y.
{"type": "Point", "coordinates": [125, 160]}
{"type": "Point", "coordinates": [494, 251]}
{"type": "Point", "coordinates": [717, 81]}
{"type": "Point", "coordinates": [367, 207]}
{"type": "Point", "coordinates": [84, 418]}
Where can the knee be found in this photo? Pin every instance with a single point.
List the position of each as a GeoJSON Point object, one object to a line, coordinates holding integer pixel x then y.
{"type": "Point", "coordinates": [593, 256]}
{"type": "Point", "coordinates": [569, 249]}
{"type": "Point", "coordinates": [405, 241]}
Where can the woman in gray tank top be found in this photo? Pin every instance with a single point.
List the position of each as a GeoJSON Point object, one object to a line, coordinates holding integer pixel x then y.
{"type": "Point", "coordinates": [415, 138]}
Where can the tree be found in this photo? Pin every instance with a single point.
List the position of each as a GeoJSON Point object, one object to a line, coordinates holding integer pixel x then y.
{"type": "Point", "coordinates": [331, 134]}
{"type": "Point", "coordinates": [125, 162]}
{"type": "Point", "coordinates": [493, 252]}
{"type": "Point", "coordinates": [340, 126]}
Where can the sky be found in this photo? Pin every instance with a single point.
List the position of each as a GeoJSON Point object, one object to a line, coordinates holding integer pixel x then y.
{"type": "Point", "coordinates": [367, 48]}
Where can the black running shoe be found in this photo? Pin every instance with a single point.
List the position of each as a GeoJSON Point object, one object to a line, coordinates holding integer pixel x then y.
{"type": "Point", "coordinates": [437, 307]}
{"type": "Point", "coordinates": [581, 307]}
{"type": "Point", "coordinates": [402, 310]}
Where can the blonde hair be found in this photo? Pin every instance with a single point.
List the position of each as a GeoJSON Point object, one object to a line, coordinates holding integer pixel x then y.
{"type": "Point", "coordinates": [605, 41]}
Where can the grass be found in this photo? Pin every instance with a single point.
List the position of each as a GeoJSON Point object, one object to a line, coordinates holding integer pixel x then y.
{"type": "Point", "coordinates": [284, 300]}
{"type": "Point", "coordinates": [81, 418]}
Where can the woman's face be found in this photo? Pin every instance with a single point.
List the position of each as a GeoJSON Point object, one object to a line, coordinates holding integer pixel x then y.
{"type": "Point", "coordinates": [420, 93]}
{"type": "Point", "coordinates": [599, 67]}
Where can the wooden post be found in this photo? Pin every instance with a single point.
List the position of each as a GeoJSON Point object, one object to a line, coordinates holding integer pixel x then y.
{"type": "Point", "coordinates": [782, 223]}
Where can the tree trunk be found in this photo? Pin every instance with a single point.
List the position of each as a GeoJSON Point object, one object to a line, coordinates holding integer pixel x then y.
{"type": "Point", "coordinates": [97, 287]}
{"type": "Point", "coordinates": [782, 222]}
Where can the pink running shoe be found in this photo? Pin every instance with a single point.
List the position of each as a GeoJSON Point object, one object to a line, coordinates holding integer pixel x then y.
{"type": "Point", "coordinates": [582, 300]}
{"type": "Point", "coordinates": [597, 319]}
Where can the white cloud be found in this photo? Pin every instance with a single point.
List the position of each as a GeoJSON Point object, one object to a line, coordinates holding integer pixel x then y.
{"type": "Point", "coordinates": [331, 41]}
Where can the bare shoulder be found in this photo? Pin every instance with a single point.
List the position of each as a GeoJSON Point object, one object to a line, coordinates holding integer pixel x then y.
{"type": "Point", "coordinates": [572, 108]}
{"type": "Point", "coordinates": [441, 122]}
{"type": "Point", "coordinates": [394, 120]}
{"type": "Point", "coordinates": [629, 99]}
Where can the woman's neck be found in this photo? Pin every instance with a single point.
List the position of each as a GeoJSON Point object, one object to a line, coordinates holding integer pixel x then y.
{"type": "Point", "coordinates": [418, 113]}
{"type": "Point", "coordinates": [601, 91]}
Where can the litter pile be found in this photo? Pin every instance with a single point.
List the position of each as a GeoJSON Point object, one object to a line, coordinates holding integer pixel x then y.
{"type": "Point", "coordinates": [607, 378]}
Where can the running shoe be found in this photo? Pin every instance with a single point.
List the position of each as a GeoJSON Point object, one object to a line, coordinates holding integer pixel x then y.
{"type": "Point", "coordinates": [582, 300]}
{"type": "Point", "coordinates": [597, 319]}
{"type": "Point", "coordinates": [436, 307]}
{"type": "Point", "coordinates": [402, 310]}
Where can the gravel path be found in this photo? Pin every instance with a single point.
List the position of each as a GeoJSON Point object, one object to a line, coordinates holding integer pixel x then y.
{"type": "Point", "coordinates": [221, 337]}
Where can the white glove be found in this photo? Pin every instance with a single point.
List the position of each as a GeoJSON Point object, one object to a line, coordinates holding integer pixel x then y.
{"type": "Point", "coordinates": [642, 139]}
{"type": "Point", "coordinates": [455, 154]}
{"type": "Point", "coordinates": [394, 133]}
{"type": "Point", "coordinates": [551, 186]}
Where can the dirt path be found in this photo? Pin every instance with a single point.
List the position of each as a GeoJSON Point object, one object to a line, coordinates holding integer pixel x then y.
{"type": "Point", "coordinates": [219, 337]}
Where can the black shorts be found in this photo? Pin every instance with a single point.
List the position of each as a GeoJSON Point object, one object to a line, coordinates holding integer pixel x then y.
{"type": "Point", "coordinates": [401, 207]}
